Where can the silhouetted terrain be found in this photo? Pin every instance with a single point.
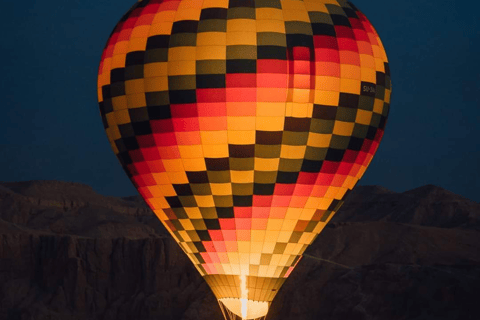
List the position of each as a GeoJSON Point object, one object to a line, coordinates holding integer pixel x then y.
{"type": "Point", "coordinates": [67, 252]}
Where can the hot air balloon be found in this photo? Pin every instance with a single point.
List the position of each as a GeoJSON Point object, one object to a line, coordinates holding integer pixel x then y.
{"type": "Point", "coordinates": [244, 124]}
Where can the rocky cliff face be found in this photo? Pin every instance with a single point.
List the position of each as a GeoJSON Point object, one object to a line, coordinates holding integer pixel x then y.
{"type": "Point", "coordinates": [68, 253]}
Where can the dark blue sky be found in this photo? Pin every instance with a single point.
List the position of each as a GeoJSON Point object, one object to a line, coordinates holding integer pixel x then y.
{"type": "Point", "coordinates": [50, 126]}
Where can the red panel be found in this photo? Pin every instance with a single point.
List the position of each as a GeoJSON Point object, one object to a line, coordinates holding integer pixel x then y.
{"type": "Point", "coordinates": [330, 167]}
{"type": "Point", "coordinates": [262, 201]}
{"type": "Point", "coordinates": [348, 44]}
{"type": "Point", "coordinates": [159, 126]}
{"type": "Point", "coordinates": [344, 32]}
{"type": "Point", "coordinates": [146, 141]}
{"type": "Point", "coordinates": [211, 95]}
{"type": "Point", "coordinates": [271, 66]}
{"type": "Point", "coordinates": [240, 80]}
{"type": "Point", "coordinates": [227, 224]}
{"type": "Point", "coordinates": [186, 124]}
{"type": "Point", "coordinates": [187, 110]}
{"type": "Point", "coordinates": [329, 55]}
{"type": "Point", "coordinates": [150, 154]}
{"type": "Point", "coordinates": [284, 189]}
{"type": "Point", "coordinates": [242, 212]}
{"type": "Point", "coordinates": [212, 109]}
{"type": "Point", "coordinates": [165, 139]}
{"type": "Point", "coordinates": [307, 178]}
{"type": "Point", "coordinates": [216, 235]}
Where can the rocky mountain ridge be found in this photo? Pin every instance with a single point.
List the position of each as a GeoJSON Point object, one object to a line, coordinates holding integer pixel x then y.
{"type": "Point", "coordinates": [67, 252]}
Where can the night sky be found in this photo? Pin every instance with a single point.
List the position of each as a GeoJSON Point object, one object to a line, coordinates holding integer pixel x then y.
{"type": "Point", "coordinates": [51, 126]}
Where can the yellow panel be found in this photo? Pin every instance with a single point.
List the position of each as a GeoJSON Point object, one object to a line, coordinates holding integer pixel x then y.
{"type": "Point", "coordinates": [290, 248]}
{"type": "Point", "coordinates": [214, 137]}
{"type": "Point", "coordinates": [178, 177]}
{"type": "Point", "coordinates": [241, 25]}
{"type": "Point", "coordinates": [268, 14]}
{"type": "Point", "coordinates": [274, 224]}
{"type": "Point", "coordinates": [205, 201]}
{"type": "Point", "coordinates": [155, 69]}
{"type": "Point", "coordinates": [319, 140]}
{"type": "Point", "coordinates": [350, 182]}
{"type": "Point", "coordinates": [350, 72]}
{"type": "Point", "coordinates": [177, 68]}
{"type": "Point", "coordinates": [167, 190]}
{"type": "Point", "coordinates": [140, 32]}
{"type": "Point", "coordinates": [295, 15]}
{"type": "Point", "coordinates": [272, 235]}
{"type": "Point", "coordinates": [241, 38]}
{"type": "Point", "coordinates": [120, 47]}
{"type": "Point", "coordinates": [122, 117]}
{"type": "Point", "coordinates": [164, 16]}
{"type": "Point", "coordinates": [241, 176]}
{"type": "Point", "coordinates": [328, 98]}
{"type": "Point", "coordinates": [367, 61]}
{"type": "Point", "coordinates": [350, 86]}
{"type": "Point", "coordinates": [173, 165]}
{"type": "Point", "coordinates": [187, 224]}
{"type": "Point", "coordinates": [118, 61]}
{"type": "Point", "coordinates": [114, 148]}
{"type": "Point", "coordinates": [307, 214]}
{"type": "Point", "coordinates": [134, 86]}
{"type": "Point", "coordinates": [215, 151]}
{"type": "Point", "coordinates": [301, 95]}
{"type": "Point", "coordinates": [154, 84]}
{"type": "Point", "coordinates": [343, 128]}
{"type": "Point", "coordinates": [221, 189]}
{"type": "Point", "coordinates": [269, 123]}
{"type": "Point", "coordinates": [243, 246]}
{"type": "Point", "coordinates": [120, 103]}
{"type": "Point", "coordinates": [215, 3]}
{"type": "Point", "coordinates": [240, 123]}
{"type": "Point", "coordinates": [161, 178]}
{"type": "Point", "coordinates": [181, 54]}
{"type": "Point", "coordinates": [289, 224]}
{"type": "Point", "coordinates": [341, 193]}
{"type": "Point", "coordinates": [266, 164]}
{"type": "Point", "coordinates": [257, 236]}
{"type": "Point", "coordinates": [268, 247]}
{"type": "Point", "coordinates": [137, 44]}
{"type": "Point", "coordinates": [324, 204]}
{"type": "Point", "coordinates": [363, 117]}
{"type": "Point", "coordinates": [241, 137]}
{"type": "Point", "coordinates": [369, 75]}
{"type": "Point", "coordinates": [193, 212]}
{"type": "Point", "coordinates": [292, 152]}
{"type": "Point", "coordinates": [161, 27]}
{"type": "Point", "coordinates": [387, 95]}
{"type": "Point", "coordinates": [292, 5]}
{"type": "Point", "coordinates": [256, 247]}
{"type": "Point", "coordinates": [378, 106]}
{"type": "Point", "coordinates": [191, 152]}
{"type": "Point", "coordinates": [159, 203]}
{"type": "Point", "coordinates": [211, 39]}
{"type": "Point", "coordinates": [270, 109]}
{"type": "Point", "coordinates": [255, 257]}
{"type": "Point", "coordinates": [312, 202]}
{"type": "Point", "coordinates": [315, 6]}
{"type": "Point", "coordinates": [293, 213]}
{"type": "Point", "coordinates": [327, 83]}
{"type": "Point", "coordinates": [233, 258]}
{"type": "Point", "coordinates": [284, 236]}
{"type": "Point", "coordinates": [136, 100]}
{"type": "Point", "coordinates": [187, 14]}
{"type": "Point", "coordinates": [159, 212]}
{"type": "Point", "coordinates": [379, 65]}
{"type": "Point", "coordinates": [211, 53]}
{"type": "Point", "coordinates": [113, 133]}
{"type": "Point", "coordinates": [298, 110]}
{"type": "Point", "coordinates": [194, 164]}
{"type": "Point", "coordinates": [271, 25]}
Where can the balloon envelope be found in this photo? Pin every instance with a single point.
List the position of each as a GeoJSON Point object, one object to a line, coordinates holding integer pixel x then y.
{"type": "Point", "coordinates": [244, 124]}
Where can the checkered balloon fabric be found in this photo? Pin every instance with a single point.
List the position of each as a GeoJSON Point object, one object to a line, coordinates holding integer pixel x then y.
{"type": "Point", "coordinates": [244, 124]}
